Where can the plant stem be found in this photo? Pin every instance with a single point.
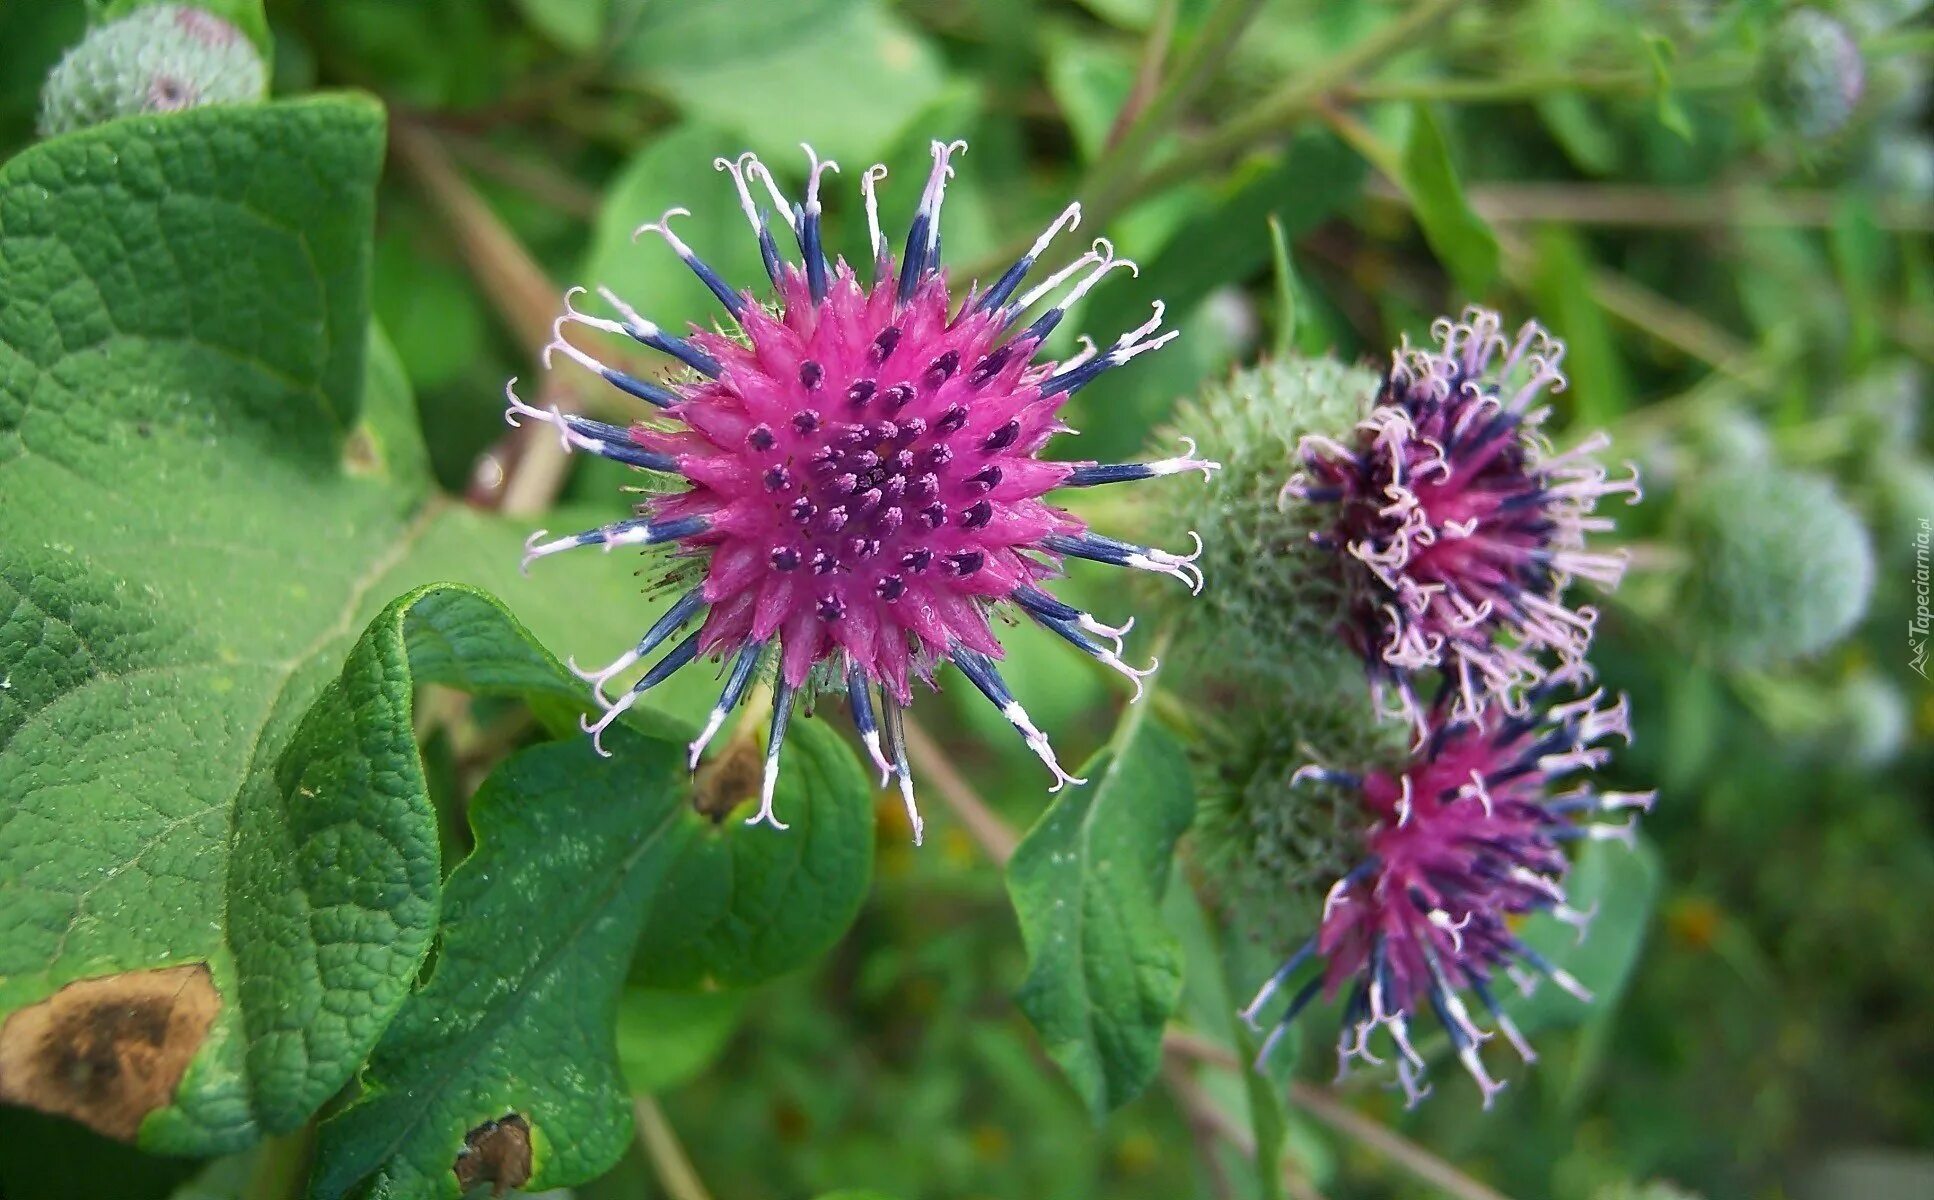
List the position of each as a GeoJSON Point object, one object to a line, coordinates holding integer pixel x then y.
{"type": "Point", "coordinates": [1148, 72]}
{"type": "Point", "coordinates": [534, 464]}
{"type": "Point", "coordinates": [1270, 115]}
{"type": "Point", "coordinates": [282, 1166]}
{"type": "Point", "coordinates": [1106, 187]}
{"type": "Point", "coordinates": [1322, 1104]}
{"type": "Point", "coordinates": [517, 288]}
{"type": "Point", "coordinates": [1644, 309]}
{"type": "Point", "coordinates": [1205, 1116]}
{"type": "Point", "coordinates": [983, 824]}
{"type": "Point", "coordinates": [1531, 85]}
{"type": "Point", "coordinates": [1673, 208]}
{"type": "Point", "coordinates": [1399, 1150]}
{"type": "Point", "coordinates": [541, 181]}
{"type": "Point", "coordinates": [510, 278]}
{"type": "Point", "coordinates": [668, 1159]}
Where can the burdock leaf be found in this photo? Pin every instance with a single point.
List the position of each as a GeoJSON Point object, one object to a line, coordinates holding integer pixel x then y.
{"type": "Point", "coordinates": [189, 532]}
{"type": "Point", "coordinates": [743, 904]}
{"type": "Point", "coordinates": [1104, 971]}
{"type": "Point", "coordinates": [502, 1069]}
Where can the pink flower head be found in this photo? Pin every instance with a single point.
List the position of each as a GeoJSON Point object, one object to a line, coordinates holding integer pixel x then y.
{"type": "Point", "coordinates": [862, 463]}
{"type": "Point", "coordinates": [1460, 528]}
{"type": "Point", "coordinates": [1469, 836]}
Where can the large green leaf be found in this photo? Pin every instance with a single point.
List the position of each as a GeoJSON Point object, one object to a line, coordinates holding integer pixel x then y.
{"type": "Point", "coordinates": [191, 527]}
{"type": "Point", "coordinates": [504, 1062]}
{"type": "Point", "coordinates": [1104, 971]}
{"type": "Point", "coordinates": [742, 904]}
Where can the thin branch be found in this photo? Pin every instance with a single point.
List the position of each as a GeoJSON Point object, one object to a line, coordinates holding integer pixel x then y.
{"type": "Point", "coordinates": [1672, 208]}
{"type": "Point", "coordinates": [1205, 1116]}
{"type": "Point", "coordinates": [1322, 1104]}
{"type": "Point", "coordinates": [510, 278]}
{"type": "Point", "coordinates": [1400, 1150]}
{"type": "Point", "coordinates": [1636, 82]}
{"type": "Point", "coordinates": [542, 182]}
{"type": "Point", "coordinates": [1274, 113]}
{"type": "Point", "coordinates": [668, 1159]}
{"type": "Point", "coordinates": [533, 465]}
{"type": "Point", "coordinates": [1639, 306]}
{"type": "Point", "coordinates": [983, 824]}
{"type": "Point", "coordinates": [1105, 190]}
{"type": "Point", "coordinates": [1148, 73]}
{"type": "Point", "coordinates": [1207, 1122]}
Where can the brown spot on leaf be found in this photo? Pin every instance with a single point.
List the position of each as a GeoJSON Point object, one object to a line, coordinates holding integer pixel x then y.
{"type": "Point", "coordinates": [497, 1153]}
{"type": "Point", "coordinates": [108, 1051]}
{"type": "Point", "coordinates": [360, 454]}
{"type": "Point", "coordinates": [729, 778]}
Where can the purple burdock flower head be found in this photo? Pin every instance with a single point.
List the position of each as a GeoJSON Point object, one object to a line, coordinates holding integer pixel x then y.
{"type": "Point", "coordinates": [1468, 835]}
{"type": "Point", "coordinates": [1460, 527]}
{"type": "Point", "coordinates": [862, 465]}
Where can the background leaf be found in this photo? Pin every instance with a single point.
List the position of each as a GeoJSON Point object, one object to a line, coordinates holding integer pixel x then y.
{"type": "Point", "coordinates": [1104, 973]}
{"type": "Point", "coordinates": [845, 75]}
{"type": "Point", "coordinates": [1622, 887]}
{"type": "Point", "coordinates": [1461, 239]}
{"type": "Point", "coordinates": [666, 1038]}
{"type": "Point", "coordinates": [514, 1022]}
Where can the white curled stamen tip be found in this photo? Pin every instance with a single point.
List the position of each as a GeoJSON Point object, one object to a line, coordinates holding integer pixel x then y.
{"type": "Point", "coordinates": [874, 173]}
{"type": "Point", "coordinates": [596, 729]}
{"type": "Point", "coordinates": [1061, 778]}
{"type": "Point", "coordinates": [1116, 632]}
{"type": "Point", "coordinates": [600, 678]}
{"type": "Point", "coordinates": [1182, 566]}
{"type": "Point", "coordinates": [943, 153]}
{"type": "Point", "coordinates": [634, 324]}
{"type": "Point", "coordinates": [1308, 771]}
{"type": "Point", "coordinates": [816, 167]}
{"type": "Point", "coordinates": [913, 809]}
{"type": "Point", "coordinates": [1579, 920]}
{"type": "Point", "coordinates": [765, 815]}
{"type": "Point", "coordinates": [663, 228]}
{"type": "Point", "coordinates": [532, 551]}
{"type": "Point", "coordinates": [1067, 222]}
{"type": "Point", "coordinates": [1188, 461]}
{"type": "Point", "coordinates": [1138, 675]}
{"type": "Point", "coordinates": [517, 408]}
{"type": "Point", "coordinates": [754, 169]}
{"type": "Point", "coordinates": [696, 750]}
{"type": "Point", "coordinates": [873, 751]}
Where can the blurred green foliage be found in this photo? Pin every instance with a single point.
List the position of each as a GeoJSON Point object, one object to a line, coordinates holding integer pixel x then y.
{"type": "Point", "coordinates": [1745, 275]}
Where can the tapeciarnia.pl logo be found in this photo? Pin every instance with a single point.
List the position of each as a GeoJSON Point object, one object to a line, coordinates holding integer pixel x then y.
{"type": "Point", "coordinates": [1919, 624]}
